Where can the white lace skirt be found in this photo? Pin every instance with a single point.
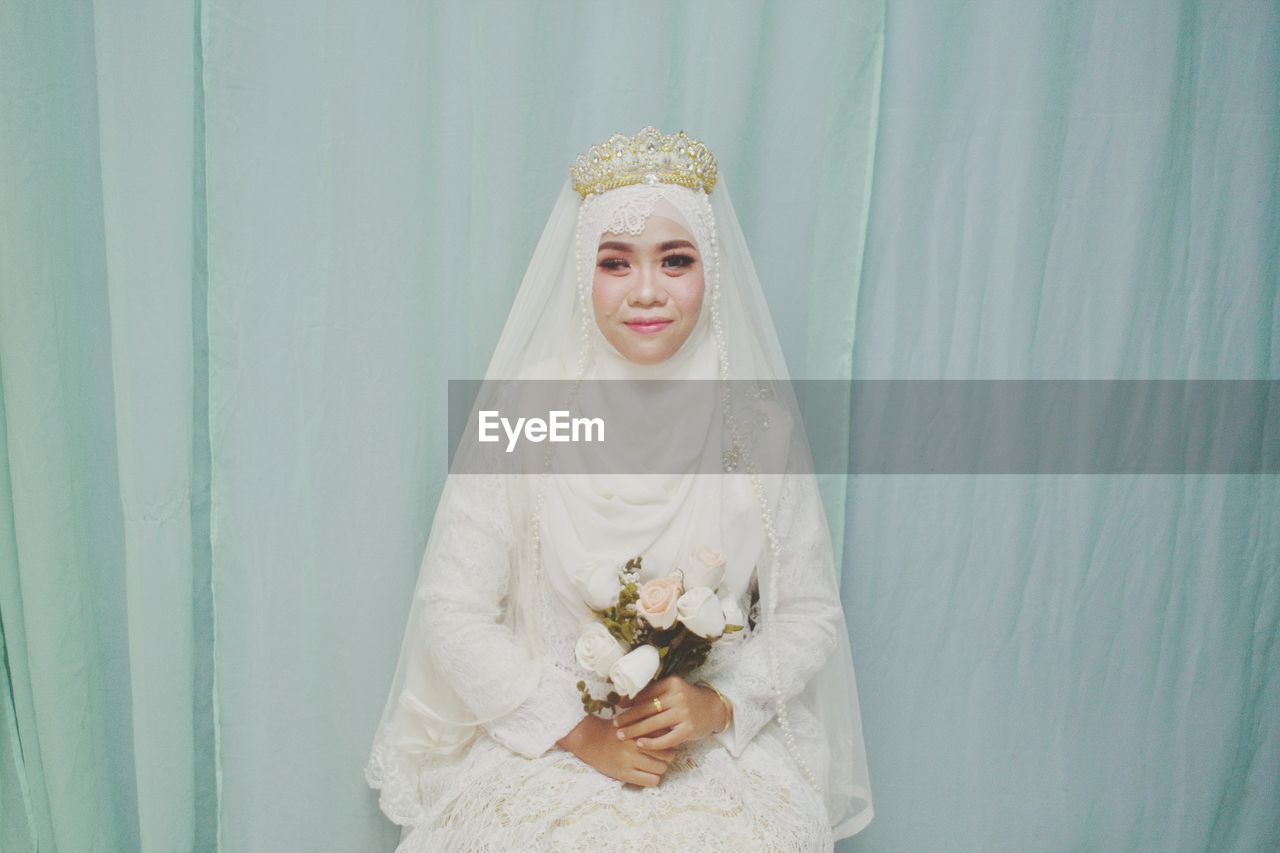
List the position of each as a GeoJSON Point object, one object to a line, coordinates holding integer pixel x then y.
{"type": "Point", "coordinates": [497, 800]}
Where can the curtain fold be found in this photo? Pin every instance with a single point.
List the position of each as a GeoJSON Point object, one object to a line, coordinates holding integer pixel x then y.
{"type": "Point", "coordinates": [62, 602]}
{"type": "Point", "coordinates": [146, 123]}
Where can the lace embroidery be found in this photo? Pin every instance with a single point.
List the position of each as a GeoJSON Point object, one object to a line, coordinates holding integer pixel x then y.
{"type": "Point", "coordinates": [394, 776]}
{"type": "Point", "coordinates": [629, 215]}
{"type": "Point", "coordinates": [706, 801]}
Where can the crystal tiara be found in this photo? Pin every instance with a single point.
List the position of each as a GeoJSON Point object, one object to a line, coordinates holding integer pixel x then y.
{"type": "Point", "coordinates": [649, 157]}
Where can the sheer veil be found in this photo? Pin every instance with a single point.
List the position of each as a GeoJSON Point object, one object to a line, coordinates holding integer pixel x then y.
{"type": "Point", "coordinates": [550, 333]}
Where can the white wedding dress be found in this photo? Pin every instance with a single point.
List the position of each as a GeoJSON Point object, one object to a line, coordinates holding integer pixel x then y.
{"type": "Point", "coordinates": [465, 756]}
{"type": "Point", "coordinates": [514, 789]}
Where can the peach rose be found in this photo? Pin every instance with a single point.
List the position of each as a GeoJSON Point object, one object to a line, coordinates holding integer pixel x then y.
{"type": "Point", "coordinates": [658, 599]}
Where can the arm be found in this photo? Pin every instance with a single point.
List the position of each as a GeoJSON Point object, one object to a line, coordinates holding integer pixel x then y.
{"type": "Point", "coordinates": [480, 656]}
{"type": "Point", "coordinates": [805, 622]}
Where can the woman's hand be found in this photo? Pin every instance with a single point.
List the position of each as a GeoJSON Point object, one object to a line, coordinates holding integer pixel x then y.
{"type": "Point", "coordinates": [594, 741]}
{"type": "Point", "coordinates": [689, 711]}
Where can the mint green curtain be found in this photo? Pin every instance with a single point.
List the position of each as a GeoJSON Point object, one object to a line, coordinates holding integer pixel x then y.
{"type": "Point", "coordinates": [244, 244]}
{"type": "Point", "coordinates": [1072, 662]}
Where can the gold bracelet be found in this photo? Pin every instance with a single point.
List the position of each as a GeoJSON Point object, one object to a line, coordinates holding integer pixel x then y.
{"type": "Point", "coordinates": [727, 704]}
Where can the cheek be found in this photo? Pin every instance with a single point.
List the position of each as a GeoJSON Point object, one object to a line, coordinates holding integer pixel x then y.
{"type": "Point", "coordinates": [690, 294]}
{"type": "Point", "coordinates": [606, 294]}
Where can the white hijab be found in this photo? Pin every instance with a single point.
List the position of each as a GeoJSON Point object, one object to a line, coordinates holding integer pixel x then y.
{"type": "Point", "coordinates": [611, 517]}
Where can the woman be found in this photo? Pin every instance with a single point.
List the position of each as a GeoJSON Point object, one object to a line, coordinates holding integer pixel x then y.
{"type": "Point", "coordinates": [641, 273]}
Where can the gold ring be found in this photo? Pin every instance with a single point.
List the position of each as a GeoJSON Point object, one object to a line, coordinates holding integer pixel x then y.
{"type": "Point", "coordinates": [657, 703]}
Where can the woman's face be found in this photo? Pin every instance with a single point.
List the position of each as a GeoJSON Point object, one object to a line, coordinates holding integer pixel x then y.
{"type": "Point", "coordinates": [647, 289]}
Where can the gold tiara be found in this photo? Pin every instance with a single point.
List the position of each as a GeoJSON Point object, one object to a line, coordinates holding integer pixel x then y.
{"type": "Point", "coordinates": [649, 157]}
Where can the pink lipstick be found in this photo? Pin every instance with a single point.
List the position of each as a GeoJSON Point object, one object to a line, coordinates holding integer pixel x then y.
{"type": "Point", "coordinates": [648, 326]}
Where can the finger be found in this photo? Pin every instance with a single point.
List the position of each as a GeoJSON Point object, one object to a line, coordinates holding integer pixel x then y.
{"type": "Point", "coordinates": [645, 778]}
{"type": "Point", "coordinates": [650, 724]}
{"type": "Point", "coordinates": [638, 712]}
{"type": "Point", "coordinates": [641, 710]}
{"type": "Point", "coordinates": [667, 755]}
{"type": "Point", "coordinates": [650, 764]}
{"type": "Point", "coordinates": [655, 688]}
{"type": "Point", "coordinates": [649, 736]}
{"type": "Point", "coordinates": [671, 739]}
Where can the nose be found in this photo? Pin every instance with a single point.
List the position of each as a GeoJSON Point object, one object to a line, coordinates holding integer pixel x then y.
{"type": "Point", "coordinates": [647, 290]}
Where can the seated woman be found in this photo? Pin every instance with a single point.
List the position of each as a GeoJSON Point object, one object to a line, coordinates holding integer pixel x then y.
{"type": "Point", "coordinates": [486, 742]}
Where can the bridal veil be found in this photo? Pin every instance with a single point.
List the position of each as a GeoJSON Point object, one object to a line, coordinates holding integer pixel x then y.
{"type": "Point", "coordinates": [550, 333]}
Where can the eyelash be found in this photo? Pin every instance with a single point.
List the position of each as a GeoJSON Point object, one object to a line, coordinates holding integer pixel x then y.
{"type": "Point", "coordinates": [616, 263]}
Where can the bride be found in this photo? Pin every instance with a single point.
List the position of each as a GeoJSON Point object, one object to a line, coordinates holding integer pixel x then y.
{"type": "Point", "coordinates": [485, 743]}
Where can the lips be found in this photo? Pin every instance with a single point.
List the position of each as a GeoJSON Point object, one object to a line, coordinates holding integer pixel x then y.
{"type": "Point", "coordinates": [648, 325]}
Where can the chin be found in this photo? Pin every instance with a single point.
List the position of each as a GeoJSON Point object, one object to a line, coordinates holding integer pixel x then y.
{"type": "Point", "coordinates": [646, 357]}
{"type": "Point", "coordinates": [646, 350]}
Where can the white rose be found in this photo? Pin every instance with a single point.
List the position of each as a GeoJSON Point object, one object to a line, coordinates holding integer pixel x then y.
{"type": "Point", "coordinates": [599, 584]}
{"type": "Point", "coordinates": [597, 649]}
{"type": "Point", "coordinates": [701, 612]}
{"type": "Point", "coordinates": [704, 567]}
{"type": "Point", "coordinates": [631, 672]}
{"type": "Point", "coordinates": [733, 615]}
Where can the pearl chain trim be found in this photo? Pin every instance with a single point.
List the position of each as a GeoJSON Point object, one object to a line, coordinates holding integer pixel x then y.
{"type": "Point", "coordinates": [771, 535]}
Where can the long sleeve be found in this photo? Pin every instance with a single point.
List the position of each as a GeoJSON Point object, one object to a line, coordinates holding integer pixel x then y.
{"type": "Point", "coordinates": [478, 654]}
{"type": "Point", "coordinates": [804, 625]}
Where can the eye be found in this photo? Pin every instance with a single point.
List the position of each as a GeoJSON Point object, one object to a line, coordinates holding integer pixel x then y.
{"type": "Point", "coordinates": [679, 261]}
{"type": "Point", "coordinates": [613, 264]}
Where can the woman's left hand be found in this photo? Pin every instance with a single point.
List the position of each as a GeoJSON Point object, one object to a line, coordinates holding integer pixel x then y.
{"type": "Point", "coordinates": [689, 711]}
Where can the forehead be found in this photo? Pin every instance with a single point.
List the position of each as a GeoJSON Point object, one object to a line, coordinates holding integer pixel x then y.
{"type": "Point", "coordinates": [657, 229]}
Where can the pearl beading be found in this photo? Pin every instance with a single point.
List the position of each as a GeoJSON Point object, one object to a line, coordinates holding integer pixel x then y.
{"type": "Point", "coordinates": [737, 447]}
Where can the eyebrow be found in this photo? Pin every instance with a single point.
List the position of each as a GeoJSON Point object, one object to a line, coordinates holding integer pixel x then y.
{"type": "Point", "coordinates": [627, 247]}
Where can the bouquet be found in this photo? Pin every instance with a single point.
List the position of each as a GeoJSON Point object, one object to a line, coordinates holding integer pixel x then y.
{"type": "Point", "coordinates": [665, 626]}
